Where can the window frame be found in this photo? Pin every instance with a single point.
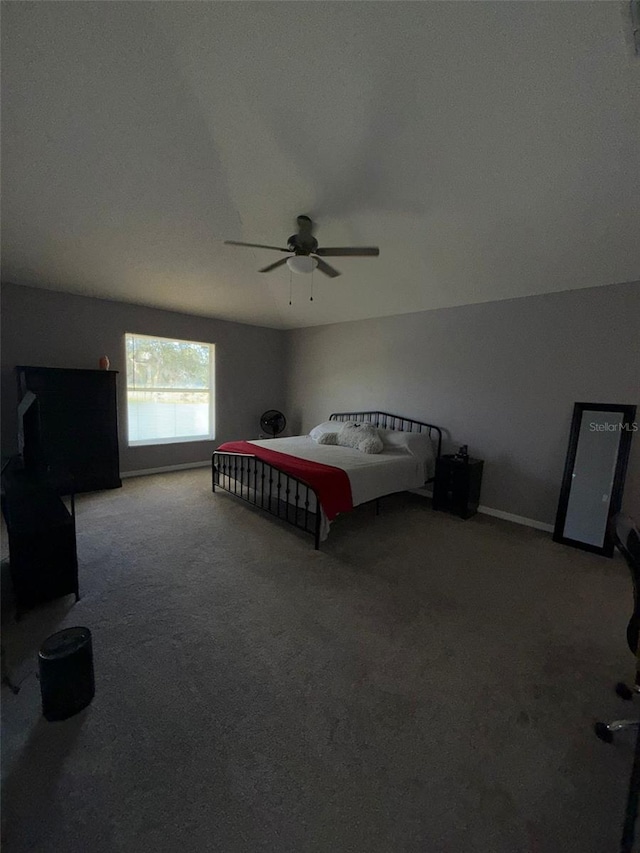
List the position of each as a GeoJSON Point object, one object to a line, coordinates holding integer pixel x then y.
{"type": "Point", "coordinates": [149, 442]}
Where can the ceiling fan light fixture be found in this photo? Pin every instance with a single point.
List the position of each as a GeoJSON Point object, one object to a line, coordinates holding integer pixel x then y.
{"type": "Point", "coordinates": [302, 263]}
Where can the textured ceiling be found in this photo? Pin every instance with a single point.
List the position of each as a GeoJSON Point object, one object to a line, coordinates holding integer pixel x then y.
{"type": "Point", "coordinates": [491, 150]}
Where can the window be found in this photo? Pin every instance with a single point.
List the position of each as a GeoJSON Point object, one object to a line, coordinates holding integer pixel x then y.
{"type": "Point", "coordinates": [170, 390]}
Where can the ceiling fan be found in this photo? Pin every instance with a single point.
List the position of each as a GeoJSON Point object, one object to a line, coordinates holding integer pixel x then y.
{"type": "Point", "coordinates": [305, 255]}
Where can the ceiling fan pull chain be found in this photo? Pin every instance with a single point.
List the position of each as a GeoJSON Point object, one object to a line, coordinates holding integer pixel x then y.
{"type": "Point", "coordinates": [290, 286]}
{"type": "Point", "coordinates": [311, 298]}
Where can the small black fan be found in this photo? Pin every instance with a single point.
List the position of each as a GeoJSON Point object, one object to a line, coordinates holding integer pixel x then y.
{"type": "Point", "coordinates": [273, 422]}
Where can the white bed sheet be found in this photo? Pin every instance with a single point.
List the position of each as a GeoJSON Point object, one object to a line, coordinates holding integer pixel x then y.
{"type": "Point", "coordinates": [372, 475]}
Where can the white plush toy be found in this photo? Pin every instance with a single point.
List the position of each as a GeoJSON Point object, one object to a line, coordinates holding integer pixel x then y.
{"type": "Point", "coordinates": [363, 437]}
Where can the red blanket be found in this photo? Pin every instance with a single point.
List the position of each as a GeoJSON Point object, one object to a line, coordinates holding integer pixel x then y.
{"type": "Point", "coordinates": [331, 484]}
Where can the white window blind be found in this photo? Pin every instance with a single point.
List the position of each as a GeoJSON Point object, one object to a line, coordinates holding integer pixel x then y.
{"type": "Point", "coordinates": [170, 390]}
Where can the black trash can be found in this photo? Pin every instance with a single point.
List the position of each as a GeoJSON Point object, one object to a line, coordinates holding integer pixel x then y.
{"type": "Point", "coordinates": [66, 673]}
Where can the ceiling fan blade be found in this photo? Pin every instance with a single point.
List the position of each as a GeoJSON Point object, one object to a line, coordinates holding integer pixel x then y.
{"type": "Point", "coordinates": [273, 266]}
{"type": "Point", "coordinates": [326, 269]}
{"type": "Point", "coordinates": [254, 245]}
{"type": "Point", "coordinates": [352, 251]}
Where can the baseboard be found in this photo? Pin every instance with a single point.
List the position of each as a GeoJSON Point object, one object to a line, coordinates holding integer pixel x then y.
{"type": "Point", "coordinates": [516, 519]}
{"type": "Point", "coordinates": [498, 513]}
{"type": "Point", "coordinates": [165, 469]}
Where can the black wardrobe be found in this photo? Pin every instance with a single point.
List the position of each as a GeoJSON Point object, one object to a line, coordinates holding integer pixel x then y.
{"type": "Point", "coordinates": [68, 424]}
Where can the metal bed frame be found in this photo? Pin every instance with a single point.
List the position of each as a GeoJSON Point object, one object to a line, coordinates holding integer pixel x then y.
{"type": "Point", "coordinates": [271, 489]}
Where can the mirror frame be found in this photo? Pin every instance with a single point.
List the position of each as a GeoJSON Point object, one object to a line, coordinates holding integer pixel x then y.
{"type": "Point", "coordinates": [624, 446]}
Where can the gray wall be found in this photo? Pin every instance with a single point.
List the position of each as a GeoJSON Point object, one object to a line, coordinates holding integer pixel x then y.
{"type": "Point", "coordinates": [44, 328]}
{"type": "Point", "coordinates": [501, 377]}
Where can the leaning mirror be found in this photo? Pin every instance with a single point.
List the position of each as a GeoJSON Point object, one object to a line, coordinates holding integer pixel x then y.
{"type": "Point", "coordinates": [594, 474]}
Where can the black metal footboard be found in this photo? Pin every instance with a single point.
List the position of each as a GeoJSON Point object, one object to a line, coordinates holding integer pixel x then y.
{"type": "Point", "coordinates": [267, 487]}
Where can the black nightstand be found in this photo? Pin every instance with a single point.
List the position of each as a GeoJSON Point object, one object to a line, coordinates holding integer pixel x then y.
{"type": "Point", "coordinates": [456, 487]}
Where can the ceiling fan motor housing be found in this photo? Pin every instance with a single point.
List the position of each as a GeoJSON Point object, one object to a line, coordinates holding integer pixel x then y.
{"type": "Point", "coordinates": [302, 244]}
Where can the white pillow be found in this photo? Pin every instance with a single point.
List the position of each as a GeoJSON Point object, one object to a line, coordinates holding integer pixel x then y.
{"type": "Point", "coordinates": [418, 444]}
{"type": "Point", "coordinates": [326, 426]}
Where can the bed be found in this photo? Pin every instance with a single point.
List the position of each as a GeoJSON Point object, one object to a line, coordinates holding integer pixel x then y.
{"type": "Point", "coordinates": [308, 484]}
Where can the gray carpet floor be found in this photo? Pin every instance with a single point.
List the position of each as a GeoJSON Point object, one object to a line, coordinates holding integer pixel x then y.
{"type": "Point", "coordinates": [423, 683]}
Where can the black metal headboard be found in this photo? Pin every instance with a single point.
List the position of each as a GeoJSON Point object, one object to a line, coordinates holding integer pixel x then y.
{"type": "Point", "coordinates": [384, 420]}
